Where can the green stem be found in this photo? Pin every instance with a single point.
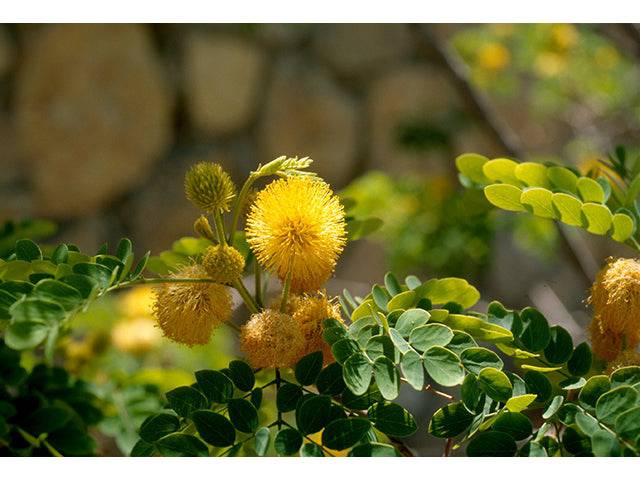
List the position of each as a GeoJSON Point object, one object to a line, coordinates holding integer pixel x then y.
{"type": "Point", "coordinates": [237, 209]}
{"type": "Point", "coordinates": [258, 283]}
{"type": "Point", "coordinates": [150, 281]}
{"type": "Point", "coordinates": [285, 292]}
{"type": "Point", "coordinates": [549, 365]}
{"type": "Point", "coordinates": [278, 383]}
{"type": "Point", "coordinates": [217, 218]}
{"type": "Point", "coordinates": [246, 296]}
{"type": "Point", "coordinates": [36, 442]}
{"type": "Point", "coordinates": [604, 427]}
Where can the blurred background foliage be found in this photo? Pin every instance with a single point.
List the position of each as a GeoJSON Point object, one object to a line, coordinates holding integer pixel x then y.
{"type": "Point", "coordinates": [99, 123]}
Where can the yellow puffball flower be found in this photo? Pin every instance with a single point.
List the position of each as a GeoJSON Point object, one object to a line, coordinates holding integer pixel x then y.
{"type": "Point", "coordinates": [494, 56]}
{"type": "Point", "coordinates": [209, 187]}
{"type": "Point", "coordinates": [296, 225]}
{"type": "Point", "coordinates": [188, 312]}
{"type": "Point", "coordinates": [615, 297]}
{"type": "Point", "coordinates": [271, 339]}
{"type": "Point", "coordinates": [136, 336]}
{"type": "Point", "coordinates": [223, 263]}
{"type": "Point", "coordinates": [137, 302]}
{"type": "Point", "coordinates": [309, 311]}
{"type": "Point", "coordinates": [626, 358]}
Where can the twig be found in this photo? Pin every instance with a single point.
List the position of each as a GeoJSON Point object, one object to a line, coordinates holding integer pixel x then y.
{"type": "Point", "coordinates": [479, 106]}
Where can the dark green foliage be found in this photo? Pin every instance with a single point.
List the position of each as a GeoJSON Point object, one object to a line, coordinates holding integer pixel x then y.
{"type": "Point", "coordinates": [44, 412]}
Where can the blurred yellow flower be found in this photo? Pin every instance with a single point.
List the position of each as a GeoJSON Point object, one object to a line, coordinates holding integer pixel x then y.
{"type": "Point", "coordinates": [549, 64]}
{"type": "Point", "coordinates": [494, 56]}
{"type": "Point", "coordinates": [271, 339]}
{"type": "Point", "coordinates": [137, 302]}
{"type": "Point", "coordinates": [615, 297]}
{"type": "Point", "coordinates": [565, 36]}
{"type": "Point", "coordinates": [188, 312]}
{"type": "Point", "coordinates": [296, 226]}
{"type": "Point", "coordinates": [136, 336]}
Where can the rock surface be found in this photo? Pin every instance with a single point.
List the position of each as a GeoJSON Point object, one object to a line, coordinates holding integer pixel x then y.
{"type": "Point", "coordinates": [92, 113]}
{"type": "Point", "coordinates": [413, 93]}
{"type": "Point", "coordinates": [221, 80]}
{"type": "Point", "coordinates": [308, 114]}
{"type": "Point", "coordinates": [356, 50]}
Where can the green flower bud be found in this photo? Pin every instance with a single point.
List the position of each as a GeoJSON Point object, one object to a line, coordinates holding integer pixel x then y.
{"type": "Point", "coordinates": [209, 187]}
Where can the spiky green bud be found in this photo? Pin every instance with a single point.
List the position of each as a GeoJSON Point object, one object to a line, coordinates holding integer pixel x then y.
{"type": "Point", "coordinates": [223, 263]}
{"type": "Point", "coordinates": [209, 187]}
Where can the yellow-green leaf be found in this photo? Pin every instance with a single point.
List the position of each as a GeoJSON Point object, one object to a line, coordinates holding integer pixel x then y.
{"type": "Point", "coordinates": [537, 368]}
{"type": "Point", "coordinates": [504, 196]}
{"type": "Point", "coordinates": [516, 352]}
{"type": "Point", "coordinates": [539, 201]}
{"type": "Point", "coordinates": [363, 310]}
{"type": "Point", "coordinates": [562, 178]}
{"type": "Point", "coordinates": [519, 403]}
{"type": "Point", "coordinates": [623, 227]}
{"type": "Point", "coordinates": [438, 314]}
{"type": "Point", "coordinates": [445, 290]}
{"type": "Point", "coordinates": [501, 170]}
{"type": "Point", "coordinates": [532, 174]}
{"type": "Point", "coordinates": [569, 209]}
{"type": "Point", "coordinates": [590, 190]}
{"type": "Point", "coordinates": [478, 328]}
{"type": "Point", "coordinates": [599, 218]}
{"type": "Point", "coordinates": [470, 164]}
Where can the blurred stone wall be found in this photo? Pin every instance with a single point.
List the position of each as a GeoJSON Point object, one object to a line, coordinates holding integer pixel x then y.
{"type": "Point", "coordinates": [98, 123]}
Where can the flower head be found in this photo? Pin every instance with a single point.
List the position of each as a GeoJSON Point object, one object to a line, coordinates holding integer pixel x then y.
{"type": "Point", "coordinates": [271, 339]}
{"type": "Point", "coordinates": [188, 312]}
{"type": "Point", "coordinates": [223, 263]}
{"type": "Point", "coordinates": [309, 311]}
{"type": "Point", "coordinates": [296, 225]}
{"type": "Point", "coordinates": [209, 187]}
{"type": "Point", "coordinates": [615, 297]}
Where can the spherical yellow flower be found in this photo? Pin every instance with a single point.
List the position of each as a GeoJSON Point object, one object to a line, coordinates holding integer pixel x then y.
{"type": "Point", "coordinates": [271, 339]}
{"type": "Point", "coordinates": [223, 263]}
{"type": "Point", "coordinates": [615, 297]}
{"type": "Point", "coordinates": [297, 225]}
{"type": "Point", "coordinates": [209, 187]}
{"type": "Point", "coordinates": [136, 336]}
{"type": "Point", "coordinates": [188, 312]}
{"type": "Point", "coordinates": [309, 311]}
{"type": "Point", "coordinates": [626, 358]}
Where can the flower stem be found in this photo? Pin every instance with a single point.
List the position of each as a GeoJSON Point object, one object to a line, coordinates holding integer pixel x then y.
{"type": "Point", "coordinates": [285, 292]}
{"type": "Point", "coordinates": [217, 218]}
{"type": "Point", "coordinates": [258, 283]}
{"type": "Point", "coordinates": [237, 210]}
{"type": "Point", "coordinates": [246, 296]}
{"type": "Point", "coordinates": [278, 383]}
